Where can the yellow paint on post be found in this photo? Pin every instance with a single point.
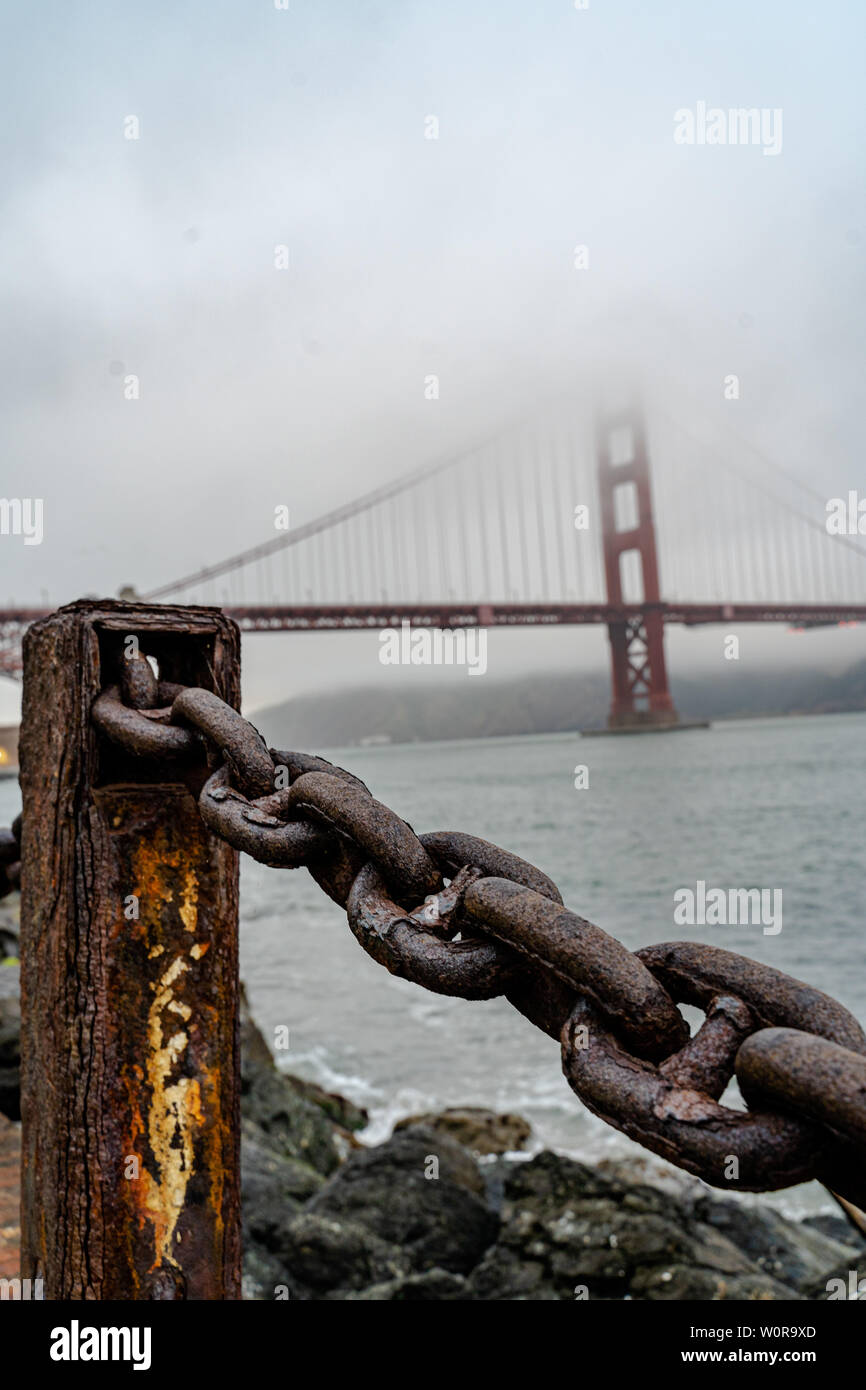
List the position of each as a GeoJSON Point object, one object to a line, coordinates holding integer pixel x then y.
{"type": "Point", "coordinates": [173, 1116]}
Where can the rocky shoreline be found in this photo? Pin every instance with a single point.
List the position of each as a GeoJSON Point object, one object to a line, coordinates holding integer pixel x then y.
{"type": "Point", "coordinates": [449, 1208]}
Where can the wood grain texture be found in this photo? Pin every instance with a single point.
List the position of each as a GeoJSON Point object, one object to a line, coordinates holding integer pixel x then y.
{"type": "Point", "coordinates": [130, 1066]}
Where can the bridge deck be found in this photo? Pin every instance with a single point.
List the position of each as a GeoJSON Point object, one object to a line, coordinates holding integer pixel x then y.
{"type": "Point", "coordinates": [314, 617]}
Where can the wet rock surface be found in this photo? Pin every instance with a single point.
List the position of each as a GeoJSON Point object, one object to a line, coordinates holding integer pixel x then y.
{"type": "Point", "coordinates": [10, 1058]}
{"type": "Point", "coordinates": [481, 1131]}
{"type": "Point", "coordinates": [421, 1218]}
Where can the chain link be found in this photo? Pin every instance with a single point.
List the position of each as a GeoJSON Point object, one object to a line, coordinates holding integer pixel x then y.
{"type": "Point", "coordinates": [463, 917]}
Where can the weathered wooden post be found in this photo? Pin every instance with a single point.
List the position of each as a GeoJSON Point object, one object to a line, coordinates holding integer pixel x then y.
{"type": "Point", "coordinates": [130, 1066]}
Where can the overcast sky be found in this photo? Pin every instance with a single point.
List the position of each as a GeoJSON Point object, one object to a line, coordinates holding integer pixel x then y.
{"type": "Point", "coordinates": [259, 127]}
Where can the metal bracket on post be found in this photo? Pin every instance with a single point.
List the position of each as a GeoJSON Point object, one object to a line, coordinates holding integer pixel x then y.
{"type": "Point", "coordinates": [129, 910]}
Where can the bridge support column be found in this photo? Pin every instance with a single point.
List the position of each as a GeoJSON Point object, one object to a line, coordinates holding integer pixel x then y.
{"type": "Point", "coordinates": [641, 696]}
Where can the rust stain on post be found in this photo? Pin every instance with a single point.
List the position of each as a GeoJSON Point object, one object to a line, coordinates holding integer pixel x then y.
{"type": "Point", "coordinates": [129, 979]}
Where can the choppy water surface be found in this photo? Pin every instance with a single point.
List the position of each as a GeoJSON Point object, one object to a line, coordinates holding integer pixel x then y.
{"type": "Point", "coordinates": [774, 804]}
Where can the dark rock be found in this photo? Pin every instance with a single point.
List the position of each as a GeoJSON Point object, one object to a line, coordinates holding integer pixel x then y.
{"type": "Point", "coordinates": [293, 1126]}
{"type": "Point", "coordinates": [255, 1052]}
{"type": "Point", "coordinates": [793, 1252]}
{"type": "Point", "coordinates": [482, 1131]}
{"type": "Point", "coordinates": [845, 1282]}
{"type": "Point", "coordinates": [569, 1231]}
{"type": "Point", "coordinates": [273, 1188]}
{"type": "Point", "coordinates": [341, 1112]}
{"type": "Point", "coordinates": [549, 1180]}
{"type": "Point", "coordinates": [297, 1118]}
{"type": "Point", "coordinates": [264, 1277]}
{"type": "Point", "coordinates": [689, 1282]}
{"type": "Point", "coordinates": [289, 1143]}
{"type": "Point", "coordinates": [837, 1227]}
{"type": "Point", "coordinates": [323, 1255]}
{"type": "Point", "coordinates": [10, 925]}
{"type": "Point", "coordinates": [436, 1221]}
{"type": "Point", "coordinates": [10, 1092]}
{"type": "Point", "coordinates": [10, 1052]}
{"type": "Point", "coordinates": [509, 1274]}
{"type": "Point", "coordinates": [437, 1285]}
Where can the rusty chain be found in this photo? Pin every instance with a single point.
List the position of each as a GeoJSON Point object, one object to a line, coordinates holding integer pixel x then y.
{"type": "Point", "coordinates": [462, 917]}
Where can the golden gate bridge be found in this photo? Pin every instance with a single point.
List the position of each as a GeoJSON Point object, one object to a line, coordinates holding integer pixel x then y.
{"type": "Point", "coordinates": [569, 519]}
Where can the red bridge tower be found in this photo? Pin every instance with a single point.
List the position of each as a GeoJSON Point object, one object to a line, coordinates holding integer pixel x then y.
{"type": "Point", "coordinates": [641, 697]}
